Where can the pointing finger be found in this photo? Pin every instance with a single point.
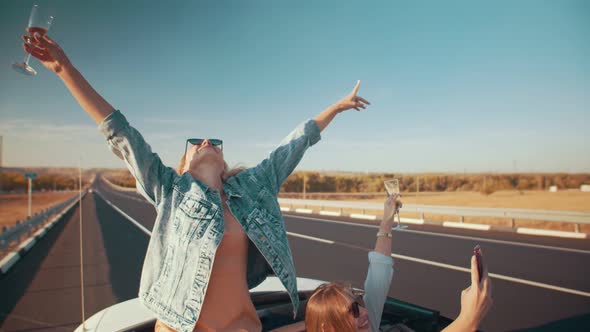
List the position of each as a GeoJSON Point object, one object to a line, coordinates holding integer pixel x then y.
{"type": "Point", "coordinates": [356, 88]}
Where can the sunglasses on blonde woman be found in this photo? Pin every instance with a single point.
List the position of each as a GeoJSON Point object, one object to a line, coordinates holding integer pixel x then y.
{"type": "Point", "coordinates": [199, 141]}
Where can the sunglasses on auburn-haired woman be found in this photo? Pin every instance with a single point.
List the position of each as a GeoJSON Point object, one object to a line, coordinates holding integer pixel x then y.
{"type": "Point", "coordinates": [358, 302]}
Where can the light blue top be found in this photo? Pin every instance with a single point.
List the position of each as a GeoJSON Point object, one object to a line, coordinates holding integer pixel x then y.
{"type": "Point", "coordinates": [377, 285]}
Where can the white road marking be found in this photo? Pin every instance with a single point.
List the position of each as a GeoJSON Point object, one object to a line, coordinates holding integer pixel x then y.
{"type": "Point", "coordinates": [455, 224]}
{"type": "Point", "coordinates": [119, 193]}
{"type": "Point", "coordinates": [414, 259]}
{"type": "Point", "coordinates": [456, 268]}
{"type": "Point", "coordinates": [464, 237]}
{"type": "Point", "coordinates": [310, 238]}
{"type": "Point", "coordinates": [495, 275]}
{"type": "Point", "coordinates": [140, 226]}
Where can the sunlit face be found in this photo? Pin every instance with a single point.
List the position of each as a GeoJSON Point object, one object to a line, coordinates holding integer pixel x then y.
{"type": "Point", "coordinates": [204, 153]}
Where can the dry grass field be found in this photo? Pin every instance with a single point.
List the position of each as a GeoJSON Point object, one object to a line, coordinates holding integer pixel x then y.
{"type": "Point", "coordinates": [567, 200]}
{"type": "Point", "coordinates": [14, 207]}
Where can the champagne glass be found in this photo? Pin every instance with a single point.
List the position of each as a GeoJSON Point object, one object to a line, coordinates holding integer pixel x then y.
{"type": "Point", "coordinates": [38, 22]}
{"type": "Point", "coordinates": [392, 187]}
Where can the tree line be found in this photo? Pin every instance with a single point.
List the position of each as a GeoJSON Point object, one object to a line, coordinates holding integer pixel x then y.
{"type": "Point", "coordinates": [432, 182]}
{"type": "Point", "coordinates": [16, 181]}
{"type": "Point", "coordinates": [485, 183]}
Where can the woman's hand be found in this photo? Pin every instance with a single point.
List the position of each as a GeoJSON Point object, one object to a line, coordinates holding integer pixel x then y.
{"type": "Point", "coordinates": [392, 204]}
{"type": "Point", "coordinates": [383, 244]}
{"type": "Point", "coordinates": [476, 300]}
{"type": "Point", "coordinates": [352, 101]}
{"type": "Point", "coordinates": [55, 59]}
{"type": "Point", "coordinates": [346, 103]}
{"type": "Point", "coordinates": [47, 51]}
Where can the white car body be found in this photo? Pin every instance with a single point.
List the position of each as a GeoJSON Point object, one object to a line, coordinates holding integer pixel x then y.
{"type": "Point", "coordinates": [128, 314]}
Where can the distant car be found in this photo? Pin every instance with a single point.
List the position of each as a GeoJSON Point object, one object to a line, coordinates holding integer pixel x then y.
{"type": "Point", "coordinates": [274, 309]}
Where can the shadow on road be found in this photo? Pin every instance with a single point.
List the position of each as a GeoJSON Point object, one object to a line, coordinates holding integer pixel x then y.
{"type": "Point", "coordinates": [17, 281]}
{"type": "Point", "coordinates": [125, 247]}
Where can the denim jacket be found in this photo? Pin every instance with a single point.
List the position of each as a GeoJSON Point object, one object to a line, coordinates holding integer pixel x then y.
{"type": "Point", "coordinates": [189, 225]}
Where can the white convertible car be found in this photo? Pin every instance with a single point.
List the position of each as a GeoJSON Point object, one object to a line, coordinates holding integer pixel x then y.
{"type": "Point", "coordinates": [274, 309]}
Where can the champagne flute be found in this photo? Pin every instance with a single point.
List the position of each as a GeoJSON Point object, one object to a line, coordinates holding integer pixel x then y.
{"type": "Point", "coordinates": [38, 23]}
{"type": "Point", "coordinates": [392, 187]}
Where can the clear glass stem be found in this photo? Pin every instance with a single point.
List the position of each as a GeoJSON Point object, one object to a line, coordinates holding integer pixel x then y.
{"type": "Point", "coordinates": [27, 58]}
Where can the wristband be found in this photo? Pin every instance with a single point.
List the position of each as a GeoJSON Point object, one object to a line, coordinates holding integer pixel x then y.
{"type": "Point", "coordinates": [384, 234]}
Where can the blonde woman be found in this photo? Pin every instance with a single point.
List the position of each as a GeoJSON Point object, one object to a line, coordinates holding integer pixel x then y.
{"type": "Point", "coordinates": [218, 232]}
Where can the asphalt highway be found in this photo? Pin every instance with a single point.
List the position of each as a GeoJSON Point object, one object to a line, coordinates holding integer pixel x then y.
{"type": "Point", "coordinates": [537, 281]}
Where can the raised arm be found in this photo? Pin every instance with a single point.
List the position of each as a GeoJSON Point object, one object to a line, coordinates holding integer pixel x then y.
{"type": "Point", "coordinates": [54, 58]}
{"type": "Point", "coordinates": [275, 169]}
{"type": "Point", "coordinates": [153, 178]}
{"type": "Point", "coordinates": [383, 243]}
{"type": "Point", "coordinates": [380, 271]}
{"type": "Point", "coordinates": [476, 300]}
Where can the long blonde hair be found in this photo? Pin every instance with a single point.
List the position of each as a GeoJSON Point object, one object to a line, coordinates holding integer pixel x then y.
{"type": "Point", "coordinates": [328, 309]}
{"type": "Point", "coordinates": [227, 172]}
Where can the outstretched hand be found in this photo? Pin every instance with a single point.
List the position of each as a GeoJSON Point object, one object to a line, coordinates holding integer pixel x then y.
{"type": "Point", "coordinates": [391, 206]}
{"type": "Point", "coordinates": [47, 51]}
{"type": "Point", "coordinates": [352, 101]}
{"type": "Point", "coordinates": [476, 300]}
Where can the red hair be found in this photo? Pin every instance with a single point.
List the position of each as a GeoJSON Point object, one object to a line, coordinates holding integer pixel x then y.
{"type": "Point", "coordinates": [328, 309]}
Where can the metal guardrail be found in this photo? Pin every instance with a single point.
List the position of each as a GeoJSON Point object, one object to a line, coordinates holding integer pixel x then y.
{"type": "Point", "coordinates": [511, 214]}
{"type": "Point", "coordinates": [28, 226]}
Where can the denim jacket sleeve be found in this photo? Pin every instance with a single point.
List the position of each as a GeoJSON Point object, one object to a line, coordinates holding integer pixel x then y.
{"type": "Point", "coordinates": [153, 178]}
{"type": "Point", "coordinates": [279, 164]}
{"type": "Point", "coordinates": [377, 286]}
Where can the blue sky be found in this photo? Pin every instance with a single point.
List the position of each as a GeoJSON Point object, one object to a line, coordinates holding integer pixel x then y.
{"type": "Point", "coordinates": [454, 86]}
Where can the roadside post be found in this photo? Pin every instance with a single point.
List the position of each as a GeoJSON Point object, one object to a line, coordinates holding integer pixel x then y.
{"type": "Point", "coordinates": [30, 176]}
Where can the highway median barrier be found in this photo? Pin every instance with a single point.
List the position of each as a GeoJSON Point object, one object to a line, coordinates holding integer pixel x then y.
{"type": "Point", "coordinates": [8, 261]}
{"type": "Point", "coordinates": [477, 219]}
{"type": "Point", "coordinates": [26, 245]}
{"type": "Point", "coordinates": [118, 187]}
{"type": "Point", "coordinates": [546, 232]}
{"type": "Point", "coordinates": [42, 220]}
{"type": "Point", "coordinates": [363, 216]}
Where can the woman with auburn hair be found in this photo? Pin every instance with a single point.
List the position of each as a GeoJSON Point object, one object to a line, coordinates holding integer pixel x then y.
{"type": "Point", "coordinates": [218, 232]}
{"type": "Point", "coordinates": [337, 307]}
